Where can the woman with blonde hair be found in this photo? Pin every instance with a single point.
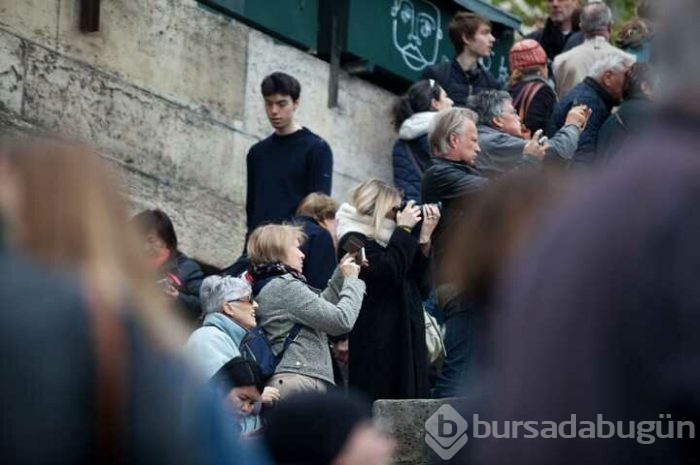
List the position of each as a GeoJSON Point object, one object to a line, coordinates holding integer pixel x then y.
{"type": "Point", "coordinates": [388, 358]}
{"type": "Point", "coordinates": [290, 310]}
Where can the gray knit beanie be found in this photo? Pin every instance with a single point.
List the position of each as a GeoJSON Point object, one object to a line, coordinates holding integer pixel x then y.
{"type": "Point", "coordinates": [217, 290]}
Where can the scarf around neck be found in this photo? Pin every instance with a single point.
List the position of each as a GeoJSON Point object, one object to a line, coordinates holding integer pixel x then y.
{"type": "Point", "coordinates": [351, 221]}
{"type": "Point", "coordinates": [265, 272]}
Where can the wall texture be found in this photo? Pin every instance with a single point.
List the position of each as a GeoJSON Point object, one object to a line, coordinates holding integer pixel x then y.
{"type": "Point", "coordinates": [169, 92]}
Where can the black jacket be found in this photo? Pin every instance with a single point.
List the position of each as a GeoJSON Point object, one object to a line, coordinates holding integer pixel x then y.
{"type": "Point", "coordinates": [630, 120]}
{"type": "Point", "coordinates": [552, 40]}
{"type": "Point", "coordinates": [410, 159]}
{"type": "Point", "coordinates": [460, 84]}
{"type": "Point", "coordinates": [541, 106]}
{"type": "Point", "coordinates": [388, 358]}
{"type": "Point", "coordinates": [319, 251]}
{"type": "Point", "coordinates": [449, 182]}
{"type": "Point", "coordinates": [189, 279]}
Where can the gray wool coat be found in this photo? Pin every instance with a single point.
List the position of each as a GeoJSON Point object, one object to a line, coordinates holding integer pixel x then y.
{"type": "Point", "coordinates": [285, 301]}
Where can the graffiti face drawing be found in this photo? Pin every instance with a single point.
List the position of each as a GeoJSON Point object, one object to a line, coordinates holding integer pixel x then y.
{"type": "Point", "coordinates": [417, 32]}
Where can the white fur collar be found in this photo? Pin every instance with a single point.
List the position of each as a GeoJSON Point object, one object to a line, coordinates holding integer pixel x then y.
{"type": "Point", "coordinates": [350, 221]}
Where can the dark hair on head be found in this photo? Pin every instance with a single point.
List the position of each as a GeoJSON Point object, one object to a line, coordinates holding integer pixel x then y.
{"type": "Point", "coordinates": [156, 221]}
{"type": "Point", "coordinates": [638, 75]}
{"type": "Point", "coordinates": [239, 372]}
{"type": "Point", "coordinates": [417, 98]}
{"type": "Point", "coordinates": [281, 83]}
{"type": "Point", "coordinates": [464, 24]}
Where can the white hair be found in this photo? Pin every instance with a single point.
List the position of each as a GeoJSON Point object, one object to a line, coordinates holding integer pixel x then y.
{"type": "Point", "coordinates": [612, 62]}
{"type": "Point", "coordinates": [596, 17]}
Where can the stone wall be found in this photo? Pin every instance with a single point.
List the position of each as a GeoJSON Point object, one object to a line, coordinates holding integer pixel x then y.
{"type": "Point", "coordinates": [169, 92]}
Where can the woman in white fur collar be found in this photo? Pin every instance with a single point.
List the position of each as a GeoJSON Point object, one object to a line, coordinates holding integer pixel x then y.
{"type": "Point", "coordinates": [388, 357]}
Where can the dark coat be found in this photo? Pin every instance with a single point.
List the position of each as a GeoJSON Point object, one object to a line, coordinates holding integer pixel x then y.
{"type": "Point", "coordinates": [410, 159]}
{"type": "Point", "coordinates": [591, 93]}
{"type": "Point", "coordinates": [190, 277]}
{"type": "Point", "coordinates": [460, 84]}
{"type": "Point", "coordinates": [388, 356]}
{"type": "Point", "coordinates": [541, 106]}
{"type": "Point", "coordinates": [630, 119]}
{"type": "Point", "coordinates": [449, 182]}
{"type": "Point", "coordinates": [319, 251]}
{"type": "Point", "coordinates": [552, 40]}
{"type": "Point", "coordinates": [615, 330]}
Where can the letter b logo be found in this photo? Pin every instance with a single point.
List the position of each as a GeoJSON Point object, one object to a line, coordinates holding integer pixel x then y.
{"type": "Point", "coordinates": [447, 432]}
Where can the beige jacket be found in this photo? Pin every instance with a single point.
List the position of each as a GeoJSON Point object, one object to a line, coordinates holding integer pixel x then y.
{"type": "Point", "coordinates": [572, 67]}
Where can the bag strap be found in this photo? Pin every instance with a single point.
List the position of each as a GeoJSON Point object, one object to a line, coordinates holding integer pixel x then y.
{"type": "Point", "coordinates": [111, 368]}
{"type": "Point", "coordinates": [525, 97]}
{"type": "Point", "coordinates": [290, 338]}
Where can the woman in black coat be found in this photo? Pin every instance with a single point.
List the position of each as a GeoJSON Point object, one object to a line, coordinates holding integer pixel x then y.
{"type": "Point", "coordinates": [388, 357]}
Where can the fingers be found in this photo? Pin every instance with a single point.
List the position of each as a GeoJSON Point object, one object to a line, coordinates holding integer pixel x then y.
{"type": "Point", "coordinates": [346, 258]}
{"type": "Point", "coordinates": [536, 136]}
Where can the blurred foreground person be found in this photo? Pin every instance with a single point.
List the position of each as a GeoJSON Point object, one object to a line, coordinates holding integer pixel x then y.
{"type": "Point", "coordinates": [292, 311]}
{"type": "Point", "coordinates": [388, 355]}
{"type": "Point", "coordinates": [90, 372]}
{"type": "Point", "coordinates": [178, 275]}
{"type": "Point", "coordinates": [613, 335]}
{"type": "Point", "coordinates": [330, 429]}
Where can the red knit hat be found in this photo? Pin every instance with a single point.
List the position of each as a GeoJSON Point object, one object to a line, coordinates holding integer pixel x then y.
{"type": "Point", "coordinates": [526, 53]}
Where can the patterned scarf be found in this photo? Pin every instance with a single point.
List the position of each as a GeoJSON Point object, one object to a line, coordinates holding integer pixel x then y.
{"type": "Point", "coordinates": [265, 272]}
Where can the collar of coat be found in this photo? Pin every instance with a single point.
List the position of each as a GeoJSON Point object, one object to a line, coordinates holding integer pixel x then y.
{"type": "Point", "coordinates": [225, 324]}
{"type": "Point", "coordinates": [349, 220]}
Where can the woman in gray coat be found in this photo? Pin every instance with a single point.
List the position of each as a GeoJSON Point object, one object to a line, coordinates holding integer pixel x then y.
{"type": "Point", "coordinates": [286, 301]}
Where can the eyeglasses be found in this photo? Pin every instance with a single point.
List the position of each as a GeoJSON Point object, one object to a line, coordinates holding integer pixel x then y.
{"type": "Point", "coordinates": [245, 299]}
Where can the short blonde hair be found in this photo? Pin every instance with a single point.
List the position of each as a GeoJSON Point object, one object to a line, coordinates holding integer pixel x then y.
{"type": "Point", "coordinates": [374, 198]}
{"type": "Point", "coordinates": [269, 243]}
{"type": "Point", "coordinates": [446, 123]}
{"type": "Point", "coordinates": [318, 206]}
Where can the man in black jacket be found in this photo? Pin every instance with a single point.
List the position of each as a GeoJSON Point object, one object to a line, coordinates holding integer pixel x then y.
{"type": "Point", "coordinates": [180, 277]}
{"type": "Point", "coordinates": [450, 180]}
{"type": "Point", "coordinates": [472, 39]}
{"type": "Point", "coordinates": [559, 27]}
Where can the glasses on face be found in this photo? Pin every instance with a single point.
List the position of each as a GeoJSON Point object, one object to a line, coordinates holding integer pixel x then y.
{"type": "Point", "coordinates": [247, 299]}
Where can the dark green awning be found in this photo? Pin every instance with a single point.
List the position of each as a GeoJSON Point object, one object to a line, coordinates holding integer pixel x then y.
{"type": "Point", "coordinates": [492, 13]}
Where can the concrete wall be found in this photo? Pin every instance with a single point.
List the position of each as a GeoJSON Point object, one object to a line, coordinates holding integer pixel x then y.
{"type": "Point", "coordinates": [169, 92]}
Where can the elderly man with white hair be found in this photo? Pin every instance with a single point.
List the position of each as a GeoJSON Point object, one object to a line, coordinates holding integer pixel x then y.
{"type": "Point", "coordinates": [572, 67]}
{"type": "Point", "coordinates": [601, 91]}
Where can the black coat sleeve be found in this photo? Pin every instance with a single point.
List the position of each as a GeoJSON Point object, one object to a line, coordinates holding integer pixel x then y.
{"type": "Point", "coordinates": [320, 261]}
{"type": "Point", "coordinates": [321, 169]}
{"type": "Point", "coordinates": [191, 276]}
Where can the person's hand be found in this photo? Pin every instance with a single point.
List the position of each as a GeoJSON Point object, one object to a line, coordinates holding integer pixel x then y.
{"type": "Point", "coordinates": [341, 351]}
{"type": "Point", "coordinates": [431, 218]}
{"type": "Point", "coordinates": [170, 291]}
{"type": "Point", "coordinates": [348, 267]}
{"type": "Point", "coordinates": [270, 395]}
{"type": "Point", "coordinates": [409, 216]}
{"type": "Point", "coordinates": [533, 147]}
{"type": "Point", "coordinates": [579, 116]}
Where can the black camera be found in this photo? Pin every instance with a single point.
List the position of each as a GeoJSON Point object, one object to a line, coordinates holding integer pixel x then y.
{"type": "Point", "coordinates": [438, 204]}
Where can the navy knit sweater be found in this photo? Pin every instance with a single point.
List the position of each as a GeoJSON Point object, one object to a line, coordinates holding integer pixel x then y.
{"type": "Point", "coordinates": [282, 170]}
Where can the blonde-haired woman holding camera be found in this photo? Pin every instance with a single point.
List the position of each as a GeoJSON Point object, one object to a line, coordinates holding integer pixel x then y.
{"type": "Point", "coordinates": [288, 306]}
{"type": "Point", "coordinates": [388, 358]}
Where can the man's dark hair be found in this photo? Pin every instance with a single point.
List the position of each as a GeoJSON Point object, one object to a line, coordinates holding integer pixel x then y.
{"type": "Point", "coordinates": [156, 221]}
{"type": "Point", "coordinates": [464, 24]}
{"type": "Point", "coordinates": [281, 83]}
{"type": "Point", "coordinates": [239, 372]}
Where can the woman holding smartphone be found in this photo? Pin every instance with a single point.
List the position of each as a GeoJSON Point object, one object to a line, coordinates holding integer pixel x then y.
{"type": "Point", "coordinates": [388, 358]}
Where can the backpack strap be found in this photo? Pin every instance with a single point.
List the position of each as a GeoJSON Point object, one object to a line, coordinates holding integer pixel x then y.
{"type": "Point", "coordinates": [525, 97]}
{"type": "Point", "coordinates": [290, 338]}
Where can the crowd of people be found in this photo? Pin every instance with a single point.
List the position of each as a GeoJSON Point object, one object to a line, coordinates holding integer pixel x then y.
{"type": "Point", "coordinates": [456, 280]}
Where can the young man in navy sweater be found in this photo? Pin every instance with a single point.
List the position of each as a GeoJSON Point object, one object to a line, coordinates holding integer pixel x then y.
{"type": "Point", "coordinates": [286, 166]}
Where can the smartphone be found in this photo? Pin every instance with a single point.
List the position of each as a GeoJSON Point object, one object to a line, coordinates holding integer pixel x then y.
{"type": "Point", "coordinates": [356, 248]}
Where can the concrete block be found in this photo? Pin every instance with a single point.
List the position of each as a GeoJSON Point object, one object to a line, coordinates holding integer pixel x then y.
{"type": "Point", "coordinates": [153, 135]}
{"type": "Point", "coordinates": [172, 48]}
{"type": "Point", "coordinates": [11, 72]}
{"type": "Point", "coordinates": [405, 421]}
{"type": "Point", "coordinates": [36, 20]}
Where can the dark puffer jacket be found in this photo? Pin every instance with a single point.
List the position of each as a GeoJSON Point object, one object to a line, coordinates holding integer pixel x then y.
{"type": "Point", "coordinates": [411, 154]}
